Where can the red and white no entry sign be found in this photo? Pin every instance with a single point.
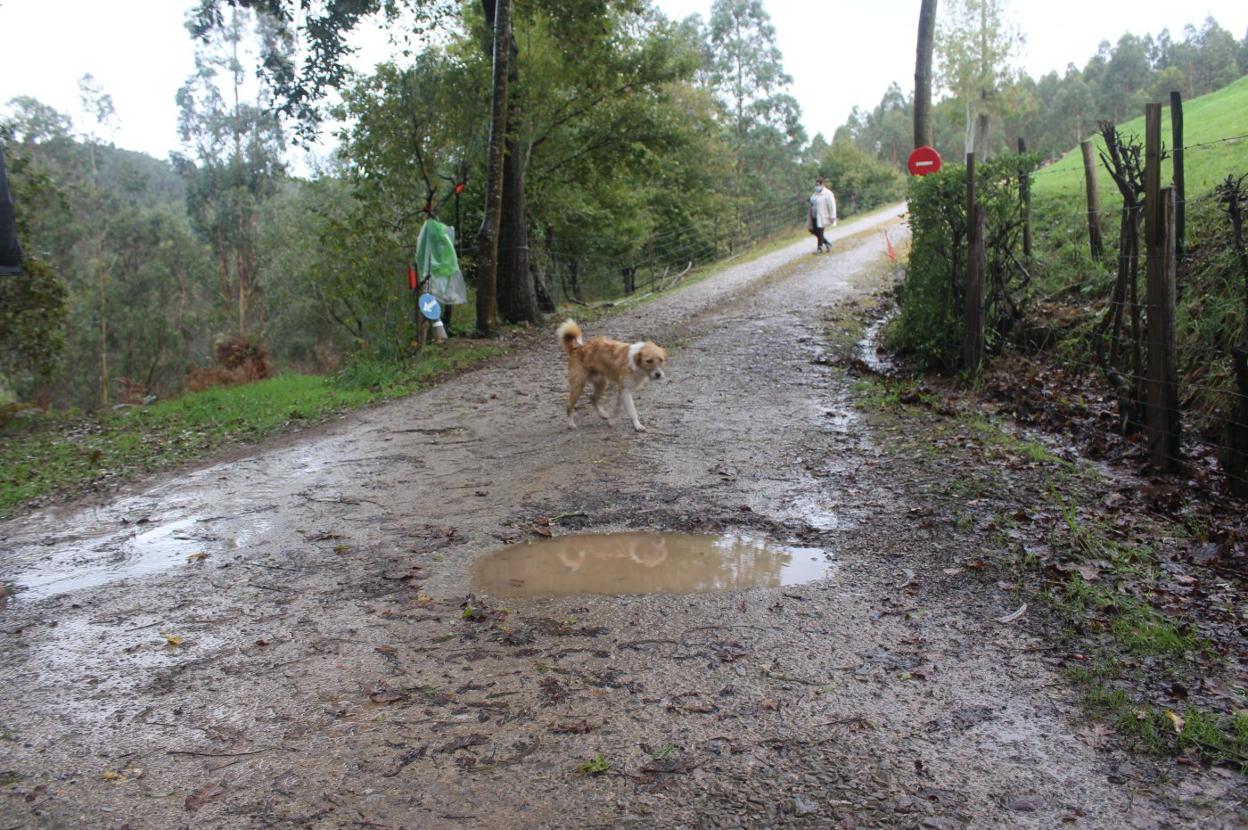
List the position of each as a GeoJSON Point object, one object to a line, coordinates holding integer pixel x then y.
{"type": "Point", "coordinates": [923, 160]}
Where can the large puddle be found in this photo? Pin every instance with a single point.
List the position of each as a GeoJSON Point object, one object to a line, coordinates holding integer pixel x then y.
{"type": "Point", "coordinates": [645, 563]}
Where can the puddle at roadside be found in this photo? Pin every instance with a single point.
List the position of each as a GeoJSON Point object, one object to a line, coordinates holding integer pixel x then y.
{"type": "Point", "coordinates": [646, 563]}
{"type": "Point", "coordinates": [872, 351]}
{"type": "Point", "coordinates": [72, 568]}
{"type": "Point", "coordinates": [817, 512]}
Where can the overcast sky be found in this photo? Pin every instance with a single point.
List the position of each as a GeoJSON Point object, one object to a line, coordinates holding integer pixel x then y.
{"type": "Point", "coordinates": [839, 54]}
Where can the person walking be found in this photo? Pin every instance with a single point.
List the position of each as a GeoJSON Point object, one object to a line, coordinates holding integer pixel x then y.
{"type": "Point", "coordinates": [822, 214]}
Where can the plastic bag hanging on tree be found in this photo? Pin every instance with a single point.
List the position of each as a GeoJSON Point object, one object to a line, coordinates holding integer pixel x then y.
{"type": "Point", "coordinates": [435, 256]}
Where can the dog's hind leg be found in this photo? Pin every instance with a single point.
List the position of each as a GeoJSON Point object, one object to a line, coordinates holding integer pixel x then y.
{"type": "Point", "coordinates": [575, 386]}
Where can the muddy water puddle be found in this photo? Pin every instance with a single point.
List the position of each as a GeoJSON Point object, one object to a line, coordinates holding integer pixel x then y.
{"type": "Point", "coordinates": [871, 348]}
{"type": "Point", "coordinates": [646, 563]}
{"type": "Point", "coordinates": [74, 568]}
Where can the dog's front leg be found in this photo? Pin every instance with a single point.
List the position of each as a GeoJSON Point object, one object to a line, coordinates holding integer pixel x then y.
{"type": "Point", "coordinates": [626, 395]}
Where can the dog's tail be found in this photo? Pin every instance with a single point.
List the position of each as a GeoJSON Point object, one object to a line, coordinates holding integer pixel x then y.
{"type": "Point", "coordinates": [569, 334]}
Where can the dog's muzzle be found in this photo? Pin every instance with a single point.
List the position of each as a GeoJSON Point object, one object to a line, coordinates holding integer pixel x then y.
{"type": "Point", "coordinates": [657, 374]}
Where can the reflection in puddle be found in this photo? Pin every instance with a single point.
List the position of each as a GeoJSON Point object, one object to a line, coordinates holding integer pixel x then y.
{"type": "Point", "coordinates": [645, 563]}
{"type": "Point", "coordinates": [74, 568]}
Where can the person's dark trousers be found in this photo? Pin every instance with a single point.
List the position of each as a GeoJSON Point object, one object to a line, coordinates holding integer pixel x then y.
{"type": "Point", "coordinates": [822, 243]}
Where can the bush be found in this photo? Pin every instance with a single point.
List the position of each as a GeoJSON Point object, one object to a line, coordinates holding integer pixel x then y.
{"type": "Point", "coordinates": [32, 322]}
{"type": "Point", "coordinates": [239, 360]}
{"type": "Point", "coordinates": [929, 326]}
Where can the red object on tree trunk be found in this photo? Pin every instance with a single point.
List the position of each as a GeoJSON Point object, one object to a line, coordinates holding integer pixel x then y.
{"type": "Point", "coordinates": [923, 160]}
{"type": "Point", "coordinates": [411, 277]}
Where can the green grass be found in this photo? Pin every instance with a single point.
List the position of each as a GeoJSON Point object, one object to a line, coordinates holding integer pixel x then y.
{"type": "Point", "coordinates": [62, 453]}
{"type": "Point", "coordinates": [1131, 654]}
{"type": "Point", "coordinates": [1211, 117]}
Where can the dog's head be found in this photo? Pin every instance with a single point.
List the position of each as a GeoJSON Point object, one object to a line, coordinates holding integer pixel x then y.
{"type": "Point", "coordinates": [649, 359]}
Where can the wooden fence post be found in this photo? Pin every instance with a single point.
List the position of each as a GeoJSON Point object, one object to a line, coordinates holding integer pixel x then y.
{"type": "Point", "coordinates": [1024, 191]}
{"type": "Point", "coordinates": [973, 310]}
{"type": "Point", "coordinates": [1176, 147]}
{"type": "Point", "coordinates": [973, 291]}
{"type": "Point", "coordinates": [1162, 410]}
{"type": "Point", "coordinates": [1094, 200]}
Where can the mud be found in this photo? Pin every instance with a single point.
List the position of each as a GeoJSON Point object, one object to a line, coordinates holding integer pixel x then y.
{"type": "Point", "coordinates": [645, 563]}
{"type": "Point", "coordinates": [325, 664]}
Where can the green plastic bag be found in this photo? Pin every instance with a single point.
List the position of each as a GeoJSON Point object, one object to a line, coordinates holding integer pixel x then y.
{"type": "Point", "coordinates": [436, 259]}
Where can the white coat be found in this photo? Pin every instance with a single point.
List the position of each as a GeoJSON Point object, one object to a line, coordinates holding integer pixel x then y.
{"type": "Point", "coordinates": [823, 208]}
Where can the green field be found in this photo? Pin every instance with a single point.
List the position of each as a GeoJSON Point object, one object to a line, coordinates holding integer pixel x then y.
{"type": "Point", "coordinates": [1207, 120]}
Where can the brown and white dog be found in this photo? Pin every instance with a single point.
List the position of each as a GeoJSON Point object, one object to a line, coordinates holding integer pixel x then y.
{"type": "Point", "coordinates": [603, 360]}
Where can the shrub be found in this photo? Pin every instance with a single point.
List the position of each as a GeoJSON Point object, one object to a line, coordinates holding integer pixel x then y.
{"type": "Point", "coordinates": [239, 360]}
{"type": "Point", "coordinates": [32, 322]}
{"type": "Point", "coordinates": [930, 323]}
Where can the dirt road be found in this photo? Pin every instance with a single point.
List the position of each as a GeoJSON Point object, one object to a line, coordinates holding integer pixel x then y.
{"type": "Point", "coordinates": [283, 639]}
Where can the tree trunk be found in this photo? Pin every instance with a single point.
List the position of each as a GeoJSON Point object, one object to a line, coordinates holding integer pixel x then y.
{"type": "Point", "coordinates": [517, 297]}
{"type": "Point", "coordinates": [487, 236]}
{"type": "Point", "coordinates": [923, 75]}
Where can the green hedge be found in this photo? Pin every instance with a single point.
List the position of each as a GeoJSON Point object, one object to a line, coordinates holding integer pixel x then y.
{"type": "Point", "coordinates": [929, 326]}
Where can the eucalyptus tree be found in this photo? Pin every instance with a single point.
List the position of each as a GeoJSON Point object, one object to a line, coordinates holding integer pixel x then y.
{"type": "Point", "coordinates": [974, 45]}
{"type": "Point", "coordinates": [98, 105]}
{"type": "Point", "coordinates": [746, 71]}
{"type": "Point", "coordinates": [236, 147]}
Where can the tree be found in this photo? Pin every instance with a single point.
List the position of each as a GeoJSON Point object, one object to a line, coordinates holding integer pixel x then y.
{"type": "Point", "coordinates": [487, 235]}
{"type": "Point", "coordinates": [99, 106]}
{"type": "Point", "coordinates": [746, 71]}
{"type": "Point", "coordinates": [1217, 63]}
{"type": "Point", "coordinates": [32, 304]}
{"type": "Point", "coordinates": [923, 74]}
{"type": "Point", "coordinates": [974, 47]}
{"type": "Point", "coordinates": [322, 27]}
{"type": "Point", "coordinates": [1122, 87]}
{"type": "Point", "coordinates": [236, 147]}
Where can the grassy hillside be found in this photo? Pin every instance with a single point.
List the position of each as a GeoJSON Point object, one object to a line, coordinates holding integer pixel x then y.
{"type": "Point", "coordinates": [1209, 118]}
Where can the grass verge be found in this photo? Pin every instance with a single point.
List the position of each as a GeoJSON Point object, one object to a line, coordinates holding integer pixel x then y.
{"type": "Point", "coordinates": [62, 454]}
{"type": "Point", "coordinates": [1147, 638]}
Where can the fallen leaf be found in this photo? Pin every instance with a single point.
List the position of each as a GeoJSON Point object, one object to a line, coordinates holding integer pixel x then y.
{"type": "Point", "coordinates": [952, 571]}
{"type": "Point", "coordinates": [112, 775]}
{"type": "Point", "coordinates": [1176, 720]}
{"type": "Point", "coordinates": [197, 556]}
{"type": "Point", "coordinates": [173, 640]}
